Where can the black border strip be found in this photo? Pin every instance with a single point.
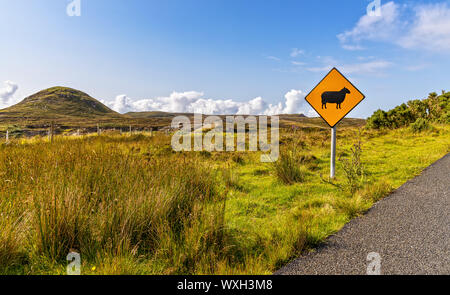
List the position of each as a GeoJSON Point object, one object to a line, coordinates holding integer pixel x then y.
{"type": "Point", "coordinates": [170, 284]}
{"type": "Point", "coordinates": [334, 68]}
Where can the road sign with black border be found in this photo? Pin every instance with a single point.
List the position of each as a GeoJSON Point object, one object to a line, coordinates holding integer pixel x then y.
{"type": "Point", "coordinates": [334, 97]}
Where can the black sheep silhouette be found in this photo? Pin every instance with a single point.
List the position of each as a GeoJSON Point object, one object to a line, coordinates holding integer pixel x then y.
{"type": "Point", "coordinates": [336, 97]}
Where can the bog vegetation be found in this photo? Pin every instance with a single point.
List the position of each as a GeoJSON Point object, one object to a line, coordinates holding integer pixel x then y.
{"type": "Point", "coordinates": [130, 205]}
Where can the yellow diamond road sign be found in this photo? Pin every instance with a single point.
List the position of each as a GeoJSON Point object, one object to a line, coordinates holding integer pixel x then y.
{"type": "Point", "coordinates": [334, 97]}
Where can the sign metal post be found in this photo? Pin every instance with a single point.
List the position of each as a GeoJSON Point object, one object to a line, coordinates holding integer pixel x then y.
{"type": "Point", "coordinates": [333, 153]}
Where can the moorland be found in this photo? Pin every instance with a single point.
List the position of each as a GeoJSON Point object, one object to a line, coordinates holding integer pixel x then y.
{"type": "Point", "coordinates": [129, 204]}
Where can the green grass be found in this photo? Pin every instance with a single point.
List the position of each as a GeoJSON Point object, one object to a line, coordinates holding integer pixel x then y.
{"type": "Point", "coordinates": [130, 205]}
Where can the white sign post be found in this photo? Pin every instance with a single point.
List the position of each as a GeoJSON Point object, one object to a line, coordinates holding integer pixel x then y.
{"type": "Point", "coordinates": [333, 152]}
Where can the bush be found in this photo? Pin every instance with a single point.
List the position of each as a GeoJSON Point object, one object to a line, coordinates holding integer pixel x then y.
{"type": "Point", "coordinates": [433, 109]}
{"type": "Point", "coordinates": [420, 125]}
{"type": "Point", "coordinates": [445, 118]}
{"type": "Point", "coordinates": [378, 120]}
{"type": "Point", "coordinates": [353, 169]}
{"type": "Point", "coordinates": [288, 167]}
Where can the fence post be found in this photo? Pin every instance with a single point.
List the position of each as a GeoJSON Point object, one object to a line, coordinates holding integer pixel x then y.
{"type": "Point", "coordinates": [130, 131]}
{"type": "Point", "coordinates": [7, 136]}
{"type": "Point", "coordinates": [98, 130]}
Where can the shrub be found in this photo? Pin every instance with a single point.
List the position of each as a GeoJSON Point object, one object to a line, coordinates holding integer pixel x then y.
{"type": "Point", "coordinates": [420, 125]}
{"type": "Point", "coordinates": [353, 169]}
{"type": "Point", "coordinates": [378, 120]}
{"type": "Point", "coordinates": [288, 167]}
{"type": "Point", "coordinates": [432, 109]}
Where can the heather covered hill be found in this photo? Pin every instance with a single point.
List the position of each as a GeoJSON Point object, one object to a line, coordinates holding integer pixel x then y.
{"type": "Point", "coordinates": [59, 102]}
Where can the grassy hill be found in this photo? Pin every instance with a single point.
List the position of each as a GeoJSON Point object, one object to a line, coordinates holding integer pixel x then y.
{"type": "Point", "coordinates": [67, 108]}
{"type": "Point", "coordinates": [62, 105]}
{"type": "Point", "coordinates": [58, 103]}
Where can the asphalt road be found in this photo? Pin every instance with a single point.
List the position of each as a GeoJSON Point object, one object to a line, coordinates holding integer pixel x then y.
{"type": "Point", "coordinates": [410, 230]}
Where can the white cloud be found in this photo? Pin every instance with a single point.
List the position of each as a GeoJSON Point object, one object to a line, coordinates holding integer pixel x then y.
{"type": "Point", "coordinates": [374, 28]}
{"type": "Point", "coordinates": [296, 52]}
{"type": "Point", "coordinates": [195, 102]}
{"type": "Point", "coordinates": [411, 26]}
{"type": "Point", "coordinates": [352, 47]}
{"type": "Point", "coordinates": [294, 103]}
{"type": "Point", "coordinates": [273, 58]}
{"type": "Point", "coordinates": [366, 57]}
{"type": "Point", "coordinates": [122, 104]}
{"type": "Point", "coordinates": [176, 102]}
{"type": "Point", "coordinates": [294, 100]}
{"type": "Point", "coordinates": [416, 67]}
{"type": "Point", "coordinates": [327, 60]}
{"type": "Point", "coordinates": [327, 63]}
{"type": "Point", "coordinates": [274, 109]}
{"type": "Point", "coordinates": [254, 106]}
{"type": "Point", "coordinates": [365, 68]}
{"type": "Point", "coordinates": [320, 69]}
{"type": "Point", "coordinates": [298, 63]}
{"type": "Point", "coordinates": [7, 93]}
{"type": "Point", "coordinates": [430, 29]}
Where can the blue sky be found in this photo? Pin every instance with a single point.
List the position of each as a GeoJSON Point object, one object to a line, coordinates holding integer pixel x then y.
{"type": "Point", "coordinates": [220, 56]}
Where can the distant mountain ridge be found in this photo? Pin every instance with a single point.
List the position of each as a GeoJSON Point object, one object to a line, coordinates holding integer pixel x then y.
{"type": "Point", "coordinates": [158, 114]}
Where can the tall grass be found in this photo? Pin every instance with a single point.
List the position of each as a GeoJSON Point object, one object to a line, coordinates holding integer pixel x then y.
{"type": "Point", "coordinates": [104, 201]}
{"type": "Point", "coordinates": [130, 205]}
{"type": "Point", "coordinates": [288, 168]}
{"type": "Point", "coordinates": [12, 233]}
